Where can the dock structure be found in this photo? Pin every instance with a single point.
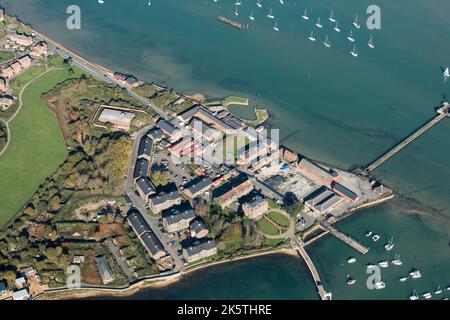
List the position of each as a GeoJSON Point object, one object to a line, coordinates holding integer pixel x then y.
{"type": "Point", "coordinates": [348, 240]}
{"type": "Point", "coordinates": [443, 112]}
{"type": "Point", "coordinates": [299, 246]}
{"type": "Point", "coordinates": [232, 23]}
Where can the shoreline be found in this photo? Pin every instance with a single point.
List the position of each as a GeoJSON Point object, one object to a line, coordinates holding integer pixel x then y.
{"type": "Point", "coordinates": [145, 284]}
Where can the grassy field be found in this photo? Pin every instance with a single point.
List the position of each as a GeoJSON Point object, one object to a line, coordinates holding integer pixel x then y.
{"type": "Point", "coordinates": [235, 100]}
{"type": "Point", "coordinates": [36, 149]}
{"type": "Point", "coordinates": [6, 56]}
{"type": "Point", "coordinates": [279, 219]}
{"type": "Point", "coordinates": [267, 227]}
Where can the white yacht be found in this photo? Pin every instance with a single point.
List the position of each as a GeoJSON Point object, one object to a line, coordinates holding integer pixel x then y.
{"type": "Point", "coordinates": [370, 266]}
{"type": "Point", "coordinates": [370, 43]}
{"type": "Point", "coordinates": [305, 15]}
{"type": "Point", "coordinates": [351, 39]}
{"type": "Point", "coordinates": [281, 1]}
{"type": "Point", "coordinates": [375, 237]}
{"type": "Point", "coordinates": [427, 295]}
{"type": "Point", "coordinates": [270, 15]}
{"type": "Point", "coordinates": [318, 24]}
{"type": "Point", "coordinates": [350, 281]}
{"type": "Point", "coordinates": [275, 27]}
{"type": "Point", "coordinates": [397, 261]}
{"type": "Point", "coordinates": [380, 285]}
{"type": "Point", "coordinates": [383, 264]}
{"type": "Point", "coordinates": [331, 18]}
{"type": "Point", "coordinates": [354, 53]}
{"type": "Point", "coordinates": [368, 233]}
{"type": "Point", "coordinates": [101, 1]}
{"type": "Point", "coordinates": [390, 245]}
{"type": "Point", "coordinates": [355, 23]}
{"type": "Point", "coordinates": [438, 290]}
{"type": "Point", "coordinates": [351, 260]}
{"type": "Point", "coordinates": [447, 73]}
{"type": "Point", "coordinates": [251, 17]}
{"type": "Point", "coordinates": [327, 44]}
{"type": "Point", "coordinates": [448, 288]}
{"type": "Point", "coordinates": [414, 296]}
{"type": "Point", "coordinates": [258, 4]}
{"type": "Point", "coordinates": [236, 13]}
{"type": "Point", "coordinates": [238, 3]}
{"type": "Point", "coordinates": [311, 36]}
{"type": "Point", "coordinates": [416, 274]}
{"type": "Point", "coordinates": [336, 28]}
{"type": "Point", "coordinates": [403, 279]}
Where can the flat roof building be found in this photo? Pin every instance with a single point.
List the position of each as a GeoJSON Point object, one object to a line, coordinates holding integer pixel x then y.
{"type": "Point", "coordinates": [119, 118]}
{"type": "Point", "coordinates": [322, 200]}
{"type": "Point", "coordinates": [21, 295]}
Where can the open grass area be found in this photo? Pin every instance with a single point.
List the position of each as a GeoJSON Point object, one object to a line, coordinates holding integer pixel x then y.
{"type": "Point", "coordinates": [279, 219]}
{"type": "Point", "coordinates": [235, 100]}
{"type": "Point", "coordinates": [37, 147]}
{"type": "Point", "coordinates": [261, 116]}
{"type": "Point", "coordinates": [267, 227]}
{"type": "Point", "coordinates": [5, 56]}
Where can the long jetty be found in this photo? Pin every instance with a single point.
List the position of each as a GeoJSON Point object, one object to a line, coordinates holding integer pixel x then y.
{"type": "Point", "coordinates": [348, 240]}
{"type": "Point", "coordinates": [297, 245]}
{"type": "Point", "coordinates": [442, 113]}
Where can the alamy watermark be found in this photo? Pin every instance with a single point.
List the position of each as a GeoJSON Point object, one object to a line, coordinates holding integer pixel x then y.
{"type": "Point", "coordinates": [374, 20]}
{"type": "Point", "coordinates": [374, 280]}
{"type": "Point", "coordinates": [73, 21]}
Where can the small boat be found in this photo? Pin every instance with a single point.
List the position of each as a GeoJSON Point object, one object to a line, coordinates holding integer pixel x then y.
{"type": "Point", "coordinates": [447, 73]}
{"type": "Point", "coordinates": [305, 15]}
{"type": "Point", "coordinates": [327, 44]}
{"type": "Point", "coordinates": [383, 264]}
{"type": "Point", "coordinates": [438, 290]}
{"type": "Point", "coordinates": [368, 233]}
{"type": "Point", "coordinates": [101, 1]}
{"type": "Point", "coordinates": [370, 43]}
{"type": "Point", "coordinates": [350, 36]}
{"type": "Point", "coordinates": [331, 18]}
{"type": "Point", "coordinates": [427, 295]}
{"type": "Point", "coordinates": [258, 4]}
{"type": "Point", "coordinates": [311, 37]}
{"type": "Point", "coordinates": [336, 28]}
{"type": "Point", "coordinates": [355, 55]}
{"type": "Point", "coordinates": [414, 296]}
{"type": "Point", "coordinates": [318, 24]}
{"type": "Point", "coordinates": [355, 23]}
{"type": "Point", "coordinates": [370, 266]}
{"type": "Point", "coordinates": [390, 245]}
{"type": "Point", "coordinates": [448, 288]}
{"type": "Point", "coordinates": [270, 15]}
{"type": "Point", "coordinates": [275, 27]}
{"type": "Point", "coordinates": [281, 1]}
{"type": "Point", "coordinates": [238, 3]}
{"type": "Point", "coordinates": [403, 279]}
{"type": "Point", "coordinates": [251, 17]}
{"type": "Point", "coordinates": [351, 260]}
{"type": "Point", "coordinates": [380, 285]}
{"type": "Point", "coordinates": [236, 13]}
{"type": "Point", "coordinates": [397, 261]}
{"type": "Point", "coordinates": [416, 274]}
{"type": "Point", "coordinates": [350, 281]}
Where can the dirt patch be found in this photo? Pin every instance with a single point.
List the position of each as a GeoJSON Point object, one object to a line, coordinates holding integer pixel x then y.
{"type": "Point", "coordinates": [91, 275]}
{"type": "Point", "coordinates": [108, 231]}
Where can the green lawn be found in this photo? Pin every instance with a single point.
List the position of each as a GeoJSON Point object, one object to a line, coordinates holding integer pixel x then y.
{"type": "Point", "coordinates": [267, 227]}
{"type": "Point", "coordinates": [279, 219]}
{"type": "Point", "coordinates": [6, 56]}
{"type": "Point", "coordinates": [36, 149]}
{"type": "Point", "coordinates": [235, 100]}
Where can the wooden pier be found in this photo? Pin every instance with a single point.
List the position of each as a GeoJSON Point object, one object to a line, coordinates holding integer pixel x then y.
{"type": "Point", "coordinates": [348, 240]}
{"type": "Point", "coordinates": [442, 113]}
{"type": "Point", "coordinates": [232, 23]}
{"type": "Point", "coordinates": [298, 245]}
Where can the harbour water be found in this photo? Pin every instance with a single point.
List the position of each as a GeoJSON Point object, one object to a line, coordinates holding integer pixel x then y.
{"type": "Point", "coordinates": [341, 110]}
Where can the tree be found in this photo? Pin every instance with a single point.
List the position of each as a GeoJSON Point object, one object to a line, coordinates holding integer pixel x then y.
{"type": "Point", "coordinates": [160, 178]}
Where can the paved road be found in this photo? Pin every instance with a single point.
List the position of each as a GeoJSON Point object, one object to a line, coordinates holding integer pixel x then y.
{"type": "Point", "coordinates": [139, 204]}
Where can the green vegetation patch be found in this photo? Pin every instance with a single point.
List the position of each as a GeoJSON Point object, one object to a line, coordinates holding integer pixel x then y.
{"type": "Point", "coordinates": [279, 219]}
{"type": "Point", "coordinates": [5, 56]}
{"type": "Point", "coordinates": [235, 100]}
{"type": "Point", "coordinates": [261, 116]}
{"type": "Point", "coordinates": [267, 227]}
{"type": "Point", "coordinates": [36, 147]}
